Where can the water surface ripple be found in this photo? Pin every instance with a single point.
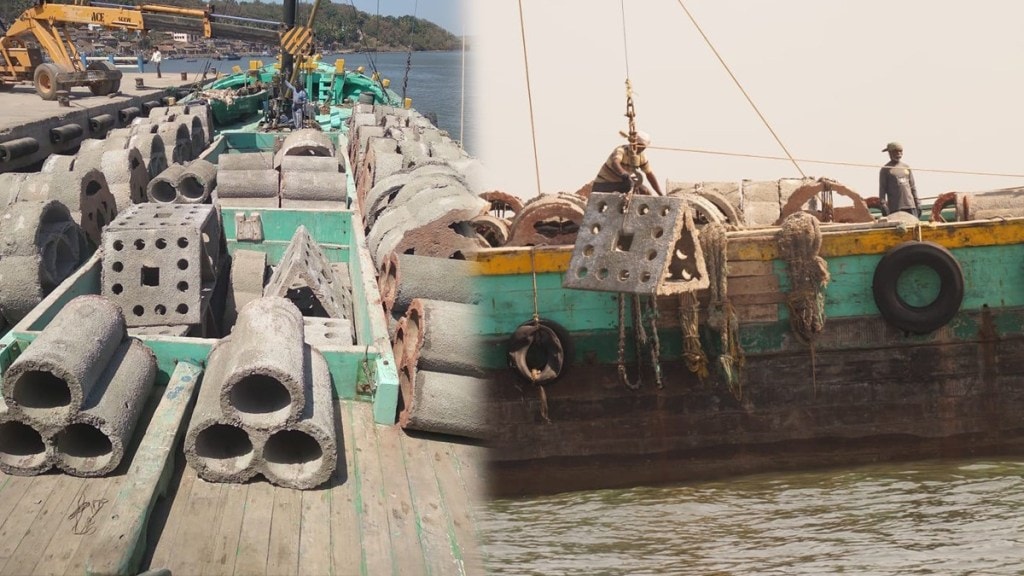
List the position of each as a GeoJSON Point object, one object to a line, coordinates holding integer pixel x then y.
{"type": "Point", "coordinates": [922, 518]}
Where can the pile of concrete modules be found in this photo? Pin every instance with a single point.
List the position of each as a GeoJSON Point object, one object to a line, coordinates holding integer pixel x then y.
{"type": "Point", "coordinates": [42, 245]}
{"type": "Point", "coordinates": [162, 264]}
{"type": "Point", "coordinates": [265, 406]}
{"type": "Point", "coordinates": [441, 368]}
{"type": "Point", "coordinates": [190, 183]}
{"type": "Point", "coordinates": [184, 130]}
{"type": "Point", "coordinates": [307, 171]}
{"type": "Point", "coordinates": [493, 226]}
{"type": "Point", "coordinates": [547, 220]}
{"type": "Point", "coordinates": [416, 188]}
{"type": "Point", "coordinates": [760, 204]}
{"type": "Point", "coordinates": [73, 397]}
{"type": "Point", "coordinates": [84, 192]}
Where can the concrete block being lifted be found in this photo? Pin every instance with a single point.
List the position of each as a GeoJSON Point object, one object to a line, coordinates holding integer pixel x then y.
{"type": "Point", "coordinates": [303, 455]}
{"type": "Point", "coordinates": [158, 258]}
{"type": "Point", "coordinates": [51, 379]}
{"type": "Point", "coordinates": [647, 247]}
{"type": "Point", "coordinates": [95, 441]}
{"type": "Point", "coordinates": [305, 277]}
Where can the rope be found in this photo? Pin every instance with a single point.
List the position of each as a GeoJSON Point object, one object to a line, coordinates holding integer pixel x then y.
{"type": "Point", "coordinates": [408, 56]}
{"type": "Point", "coordinates": [625, 45]}
{"type": "Point", "coordinates": [799, 243]}
{"type": "Point", "coordinates": [534, 374]}
{"type": "Point", "coordinates": [827, 162]}
{"type": "Point", "coordinates": [529, 96]}
{"type": "Point", "coordinates": [721, 315]}
{"type": "Point", "coordinates": [689, 318]}
{"type": "Point", "coordinates": [740, 86]}
{"type": "Point", "coordinates": [655, 348]}
{"type": "Point", "coordinates": [741, 89]}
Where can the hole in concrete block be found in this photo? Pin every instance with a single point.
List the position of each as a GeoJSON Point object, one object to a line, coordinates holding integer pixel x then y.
{"type": "Point", "coordinates": [330, 335]}
{"type": "Point", "coordinates": [224, 449]}
{"type": "Point", "coordinates": [182, 242]}
{"type": "Point", "coordinates": [160, 309]}
{"type": "Point", "coordinates": [596, 229]}
{"type": "Point", "coordinates": [582, 272]}
{"type": "Point", "coordinates": [162, 191]}
{"type": "Point", "coordinates": [181, 309]}
{"type": "Point", "coordinates": [21, 446]}
{"type": "Point", "coordinates": [643, 209]}
{"type": "Point", "coordinates": [161, 243]}
{"type": "Point", "coordinates": [84, 447]}
{"type": "Point", "coordinates": [182, 286]}
{"type": "Point", "coordinates": [150, 276]}
{"type": "Point", "coordinates": [92, 188]}
{"type": "Point", "coordinates": [588, 250]}
{"type": "Point", "coordinates": [602, 273]}
{"type": "Point", "coordinates": [657, 232]}
{"type": "Point", "coordinates": [118, 245]}
{"type": "Point", "coordinates": [182, 264]}
{"type": "Point", "coordinates": [138, 310]}
{"type": "Point", "coordinates": [140, 244]}
{"type": "Point", "coordinates": [652, 254]}
{"type": "Point", "coordinates": [117, 288]}
{"type": "Point", "coordinates": [260, 399]}
{"type": "Point", "coordinates": [645, 277]}
{"type": "Point", "coordinates": [190, 188]}
{"type": "Point", "coordinates": [623, 275]}
{"type": "Point", "coordinates": [163, 214]}
{"type": "Point", "coordinates": [38, 392]}
{"type": "Point", "coordinates": [117, 266]}
{"type": "Point", "coordinates": [292, 454]}
{"type": "Point", "coordinates": [602, 207]}
{"type": "Point", "coordinates": [623, 241]}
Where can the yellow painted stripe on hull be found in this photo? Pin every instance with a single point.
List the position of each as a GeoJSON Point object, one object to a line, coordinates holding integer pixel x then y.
{"type": "Point", "coordinates": [762, 246]}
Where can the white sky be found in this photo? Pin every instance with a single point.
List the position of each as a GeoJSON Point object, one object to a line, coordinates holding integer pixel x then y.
{"type": "Point", "coordinates": [445, 13]}
{"type": "Point", "coordinates": [835, 79]}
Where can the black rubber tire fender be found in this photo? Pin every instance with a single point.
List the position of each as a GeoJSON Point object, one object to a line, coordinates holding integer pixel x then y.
{"type": "Point", "coordinates": [552, 340]}
{"type": "Point", "coordinates": [923, 319]}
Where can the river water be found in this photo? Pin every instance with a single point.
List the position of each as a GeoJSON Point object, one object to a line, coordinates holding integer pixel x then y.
{"type": "Point", "coordinates": [955, 517]}
{"type": "Point", "coordinates": [434, 83]}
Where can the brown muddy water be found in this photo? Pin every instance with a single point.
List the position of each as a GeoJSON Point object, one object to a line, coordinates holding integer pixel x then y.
{"type": "Point", "coordinates": [960, 517]}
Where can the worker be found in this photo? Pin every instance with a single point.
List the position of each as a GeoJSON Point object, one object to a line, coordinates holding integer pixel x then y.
{"type": "Point", "coordinates": [896, 189]}
{"type": "Point", "coordinates": [155, 59]}
{"type": "Point", "coordinates": [620, 169]}
{"type": "Point", "coordinates": [298, 103]}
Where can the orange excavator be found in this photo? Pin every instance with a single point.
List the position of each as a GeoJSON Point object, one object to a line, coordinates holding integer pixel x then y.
{"type": "Point", "coordinates": [42, 29]}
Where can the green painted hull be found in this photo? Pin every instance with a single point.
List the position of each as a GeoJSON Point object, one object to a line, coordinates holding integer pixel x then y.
{"type": "Point", "coordinates": [861, 391]}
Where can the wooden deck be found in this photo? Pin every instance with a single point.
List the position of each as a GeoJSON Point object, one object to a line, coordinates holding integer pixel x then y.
{"type": "Point", "coordinates": [397, 504]}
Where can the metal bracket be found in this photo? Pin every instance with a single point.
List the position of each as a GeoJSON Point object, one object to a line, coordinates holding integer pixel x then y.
{"type": "Point", "coordinates": [651, 248]}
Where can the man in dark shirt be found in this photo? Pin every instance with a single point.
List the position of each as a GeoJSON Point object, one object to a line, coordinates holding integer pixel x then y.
{"type": "Point", "coordinates": [896, 189]}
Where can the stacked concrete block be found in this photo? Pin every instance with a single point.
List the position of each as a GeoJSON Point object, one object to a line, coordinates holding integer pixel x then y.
{"type": "Point", "coordinates": [265, 406]}
{"type": "Point", "coordinates": [161, 262]}
{"type": "Point", "coordinates": [307, 181]}
{"type": "Point", "coordinates": [412, 187]}
{"type": "Point", "coordinates": [42, 245]}
{"type": "Point", "coordinates": [84, 192]}
{"type": "Point", "coordinates": [248, 274]}
{"type": "Point", "coordinates": [306, 278]}
{"type": "Point", "coordinates": [74, 396]}
{"type": "Point", "coordinates": [184, 184]}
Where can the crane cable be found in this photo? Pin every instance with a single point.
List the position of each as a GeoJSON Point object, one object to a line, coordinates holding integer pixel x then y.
{"type": "Point", "coordinates": [740, 86]}
{"type": "Point", "coordinates": [408, 56]}
{"type": "Point", "coordinates": [529, 97]}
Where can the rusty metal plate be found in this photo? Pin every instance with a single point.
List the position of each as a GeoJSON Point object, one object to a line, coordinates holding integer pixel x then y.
{"type": "Point", "coordinates": [651, 248]}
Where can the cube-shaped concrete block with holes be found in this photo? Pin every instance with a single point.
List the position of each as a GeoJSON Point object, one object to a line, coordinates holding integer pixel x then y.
{"type": "Point", "coordinates": [156, 260]}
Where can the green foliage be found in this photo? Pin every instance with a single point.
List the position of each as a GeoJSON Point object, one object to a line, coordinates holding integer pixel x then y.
{"type": "Point", "coordinates": [338, 25]}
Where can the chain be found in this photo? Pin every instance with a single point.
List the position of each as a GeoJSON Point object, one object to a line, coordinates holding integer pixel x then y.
{"type": "Point", "coordinates": [623, 376]}
{"type": "Point", "coordinates": [652, 302]}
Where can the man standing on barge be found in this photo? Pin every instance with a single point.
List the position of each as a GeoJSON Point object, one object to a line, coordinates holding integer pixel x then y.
{"type": "Point", "coordinates": [896, 189]}
{"type": "Point", "coordinates": [618, 171]}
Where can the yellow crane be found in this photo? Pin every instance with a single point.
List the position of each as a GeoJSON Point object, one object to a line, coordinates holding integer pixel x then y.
{"type": "Point", "coordinates": [43, 29]}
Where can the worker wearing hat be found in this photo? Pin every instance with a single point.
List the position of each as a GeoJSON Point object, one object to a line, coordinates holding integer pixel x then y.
{"type": "Point", "coordinates": [896, 189]}
{"type": "Point", "coordinates": [618, 171]}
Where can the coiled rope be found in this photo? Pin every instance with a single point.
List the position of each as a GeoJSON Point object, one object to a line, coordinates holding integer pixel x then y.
{"type": "Point", "coordinates": [721, 315]}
